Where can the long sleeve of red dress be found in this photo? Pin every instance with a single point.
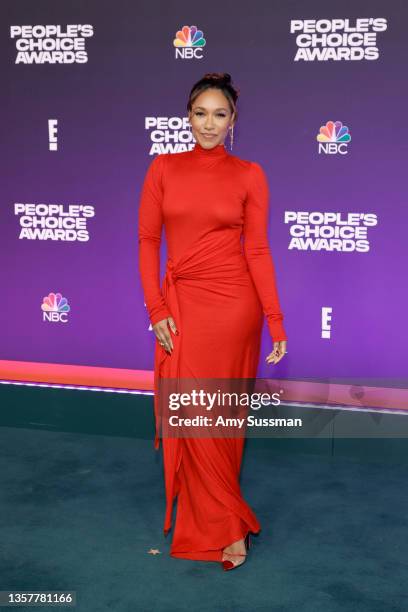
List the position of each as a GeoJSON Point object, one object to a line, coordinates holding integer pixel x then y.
{"type": "Point", "coordinates": [150, 230]}
{"type": "Point", "coordinates": [257, 250]}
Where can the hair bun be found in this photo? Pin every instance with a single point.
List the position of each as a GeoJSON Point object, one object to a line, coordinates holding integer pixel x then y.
{"type": "Point", "coordinates": [220, 77]}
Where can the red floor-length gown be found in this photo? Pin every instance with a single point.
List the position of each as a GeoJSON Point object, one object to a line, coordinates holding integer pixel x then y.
{"type": "Point", "coordinates": [219, 282]}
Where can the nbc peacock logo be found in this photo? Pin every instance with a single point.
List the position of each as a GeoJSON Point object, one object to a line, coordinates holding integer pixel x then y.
{"type": "Point", "coordinates": [189, 43]}
{"type": "Point", "coordinates": [333, 138]}
{"type": "Point", "coordinates": [55, 308]}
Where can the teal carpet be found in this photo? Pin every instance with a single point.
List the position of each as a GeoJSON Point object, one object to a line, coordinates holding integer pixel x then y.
{"type": "Point", "coordinates": [80, 511]}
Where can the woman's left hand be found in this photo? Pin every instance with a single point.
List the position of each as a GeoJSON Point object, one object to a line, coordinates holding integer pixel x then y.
{"type": "Point", "coordinates": [279, 350]}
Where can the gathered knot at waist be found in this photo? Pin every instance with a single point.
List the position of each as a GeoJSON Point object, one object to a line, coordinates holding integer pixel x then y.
{"type": "Point", "coordinates": [219, 266]}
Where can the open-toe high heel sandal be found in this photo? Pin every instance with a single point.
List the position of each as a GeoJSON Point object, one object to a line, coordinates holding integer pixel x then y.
{"type": "Point", "coordinates": [229, 565]}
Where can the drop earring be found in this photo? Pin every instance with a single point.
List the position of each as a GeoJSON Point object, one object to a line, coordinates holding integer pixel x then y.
{"type": "Point", "coordinates": [231, 136]}
{"type": "Point", "coordinates": [191, 132]}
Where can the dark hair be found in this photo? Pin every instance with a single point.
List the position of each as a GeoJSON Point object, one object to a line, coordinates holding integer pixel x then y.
{"type": "Point", "coordinates": [217, 80]}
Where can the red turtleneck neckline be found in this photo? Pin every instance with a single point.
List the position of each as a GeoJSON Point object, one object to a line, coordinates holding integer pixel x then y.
{"type": "Point", "coordinates": [215, 152]}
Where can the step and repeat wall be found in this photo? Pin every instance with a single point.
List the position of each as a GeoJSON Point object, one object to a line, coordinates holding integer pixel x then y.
{"type": "Point", "coordinates": [93, 90]}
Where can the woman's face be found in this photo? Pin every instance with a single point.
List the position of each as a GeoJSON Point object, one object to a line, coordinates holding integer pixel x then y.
{"type": "Point", "coordinates": [210, 118]}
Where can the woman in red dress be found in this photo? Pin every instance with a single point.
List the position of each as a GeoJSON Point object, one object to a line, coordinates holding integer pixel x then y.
{"type": "Point", "coordinates": [208, 314]}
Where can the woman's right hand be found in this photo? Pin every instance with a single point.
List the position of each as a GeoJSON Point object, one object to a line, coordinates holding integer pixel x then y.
{"type": "Point", "coordinates": [161, 329]}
